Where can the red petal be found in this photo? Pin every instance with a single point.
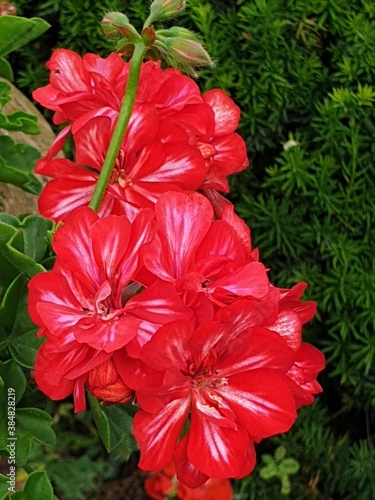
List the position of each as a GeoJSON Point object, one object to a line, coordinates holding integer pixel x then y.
{"type": "Point", "coordinates": [231, 156]}
{"type": "Point", "coordinates": [254, 348]}
{"type": "Point", "coordinates": [249, 280]}
{"type": "Point", "coordinates": [177, 91]}
{"type": "Point", "coordinates": [61, 197]}
{"type": "Point", "coordinates": [67, 72]}
{"type": "Point", "coordinates": [92, 142]}
{"type": "Point", "coordinates": [183, 166]}
{"type": "Point", "coordinates": [183, 220]}
{"type": "Point", "coordinates": [262, 401]}
{"type": "Point", "coordinates": [73, 245]}
{"type": "Point", "coordinates": [157, 434]}
{"type": "Point", "coordinates": [217, 451]}
{"type": "Point", "coordinates": [168, 347]}
{"type": "Point", "coordinates": [108, 335]}
{"type": "Point", "coordinates": [227, 114]}
{"type": "Point", "coordinates": [142, 129]}
{"type": "Point", "coordinates": [289, 326]}
{"type": "Point", "coordinates": [110, 239]}
{"type": "Point", "coordinates": [186, 472]}
{"type": "Point", "coordinates": [50, 288]}
{"type": "Point", "coordinates": [142, 231]}
{"type": "Point", "coordinates": [112, 68]}
{"type": "Point", "coordinates": [221, 239]}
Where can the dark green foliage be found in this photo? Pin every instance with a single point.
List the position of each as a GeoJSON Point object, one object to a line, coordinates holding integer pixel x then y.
{"type": "Point", "coordinates": [303, 73]}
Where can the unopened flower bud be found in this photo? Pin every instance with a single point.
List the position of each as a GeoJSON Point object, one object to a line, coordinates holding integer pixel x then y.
{"type": "Point", "coordinates": [105, 383]}
{"type": "Point", "coordinates": [162, 9]}
{"type": "Point", "coordinates": [117, 25]}
{"type": "Point", "coordinates": [177, 31]}
{"type": "Point", "coordinates": [181, 48]}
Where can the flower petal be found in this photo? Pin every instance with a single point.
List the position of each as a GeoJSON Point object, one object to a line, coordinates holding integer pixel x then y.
{"type": "Point", "coordinates": [73, 246]}
{"type": "Point", "coordinates": [157, 434]}
{"type": "Point", "coordinates": [168, 347]}
{"type": "Point", "coordinates": [217, 451]}
{"type": "Point", "coordinates": [182, 221]}
{"type": "Point", "coordinates": [67, 71]}
{"type": "Point", "coordinates": [227, 114]}
{"type": "Point", "coordinates": [186, 472]}
{"type": "Point", "coordinates": [262, 401]}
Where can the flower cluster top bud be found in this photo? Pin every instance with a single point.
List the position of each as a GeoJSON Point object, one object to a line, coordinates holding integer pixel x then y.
{"type": "Point", "coordinates": [162, 9]}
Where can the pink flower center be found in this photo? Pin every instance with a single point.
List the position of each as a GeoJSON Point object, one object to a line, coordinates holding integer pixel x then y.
{"type": "Point", "coordinates": [206, 378]}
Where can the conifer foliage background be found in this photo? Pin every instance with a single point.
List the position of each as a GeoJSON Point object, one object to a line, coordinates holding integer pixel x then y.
{"type": "Point", "coordinates": [303, 73]}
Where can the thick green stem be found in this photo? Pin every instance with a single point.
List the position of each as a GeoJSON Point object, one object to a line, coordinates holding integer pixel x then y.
{"type": "Point", "coordinates": [121, 126]}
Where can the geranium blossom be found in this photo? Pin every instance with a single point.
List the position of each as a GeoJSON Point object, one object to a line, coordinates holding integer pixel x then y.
{"type": "Point", "coordinates": [229, 380]}
{"type": "Point", "coordinates": [190, 137]}
{"type": "Point", "coordinates": [88, 306]}
{"type": "Point", "coordinates": [145, 168]}
{"type": "Point", "coordinates": [200, 255]}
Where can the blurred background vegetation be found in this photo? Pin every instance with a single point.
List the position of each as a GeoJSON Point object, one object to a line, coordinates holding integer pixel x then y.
{"type": "Point", "coordinates": [303, 73]}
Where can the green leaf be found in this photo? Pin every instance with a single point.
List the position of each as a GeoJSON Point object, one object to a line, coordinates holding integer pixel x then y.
{"type": "Point", "coordinates": [21, 122]}
{"type": "Point", "coordinates": [120, 424]}
{"type": "Point", "coordinates": [10, 220]}
{"type": "Point", "coordinates": [37, 487]}
{"type": "Point", "coordinates": [23, 449]}
{"type": "Point", "coordinates": [17, 331]}
{"type": "Point", "coordinates": [289, 466]}
{"type": "Point", "coordinates": [17, 162]}
{"type": "Point", "coordinates": [26, 246]}
{"type": "Point", "coordinates": [268, 471]}
{"type": "Point", "coordinates": [6, 70]}
{"type": "Point", "coordinates": [101, 421]}
{"type": "Point", "coordinates": [14, 378]}
{"type": "Point", "coordinates": [5, 90]}
{"type": "Point", "coordinates": [37, 424]}
{"type": "Point", "coordinates": [18, 31]}
{"type": "Point", "coordinates": [23, 348]}
{"type": "Point", "coordinates": [280, 453]}
{"type": "Point", "coordinates": [113, 422]}
{"type": "Point", "coordinates": [4, 485]}
{"type": "Point", "coordinates": [35, 229]}
{"type": "Point", "coordinates": [73, 477]}
{"type": "Point", "coordinates": [18, 259]}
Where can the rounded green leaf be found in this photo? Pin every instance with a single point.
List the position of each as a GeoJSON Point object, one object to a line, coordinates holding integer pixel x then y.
{"type": "Point", "coordinates": [18, 31]}
{"type": "Point", "coordinates": [37, 487]}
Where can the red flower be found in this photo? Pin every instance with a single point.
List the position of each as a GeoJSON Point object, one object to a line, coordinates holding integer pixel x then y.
{"type": "Point", "coordinates": [88, 306]}
{"type": "Point", "coordinates": [207, 261]}
{"type": "Point", "coordinates": [229, 376]}
{"type": "Point", "coordinates": [173, 125]}
{"type": "Point", "coordinates": [145, 168]}
{"type": "Point", "coordinates": [309, 361]}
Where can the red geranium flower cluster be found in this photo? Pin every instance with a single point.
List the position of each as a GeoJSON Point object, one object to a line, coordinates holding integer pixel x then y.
{"type": "Point", "coordinates": [177, 138]}
{"type": "Point", "coordinates": [160, 298]}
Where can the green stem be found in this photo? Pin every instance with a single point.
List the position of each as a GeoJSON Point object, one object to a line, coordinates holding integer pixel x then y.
{"type": "Point", "coordinates": [121, 126]}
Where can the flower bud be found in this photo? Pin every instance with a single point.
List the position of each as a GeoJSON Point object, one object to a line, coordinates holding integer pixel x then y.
{"type": "Point", "coordinates": [117, 25]}
{"type": "Point", "coordinates": [105, 383]}
{"type": "Point", "coordinates": [161, 9]}
{"type": "Point", "coordinates": [182, 49]}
